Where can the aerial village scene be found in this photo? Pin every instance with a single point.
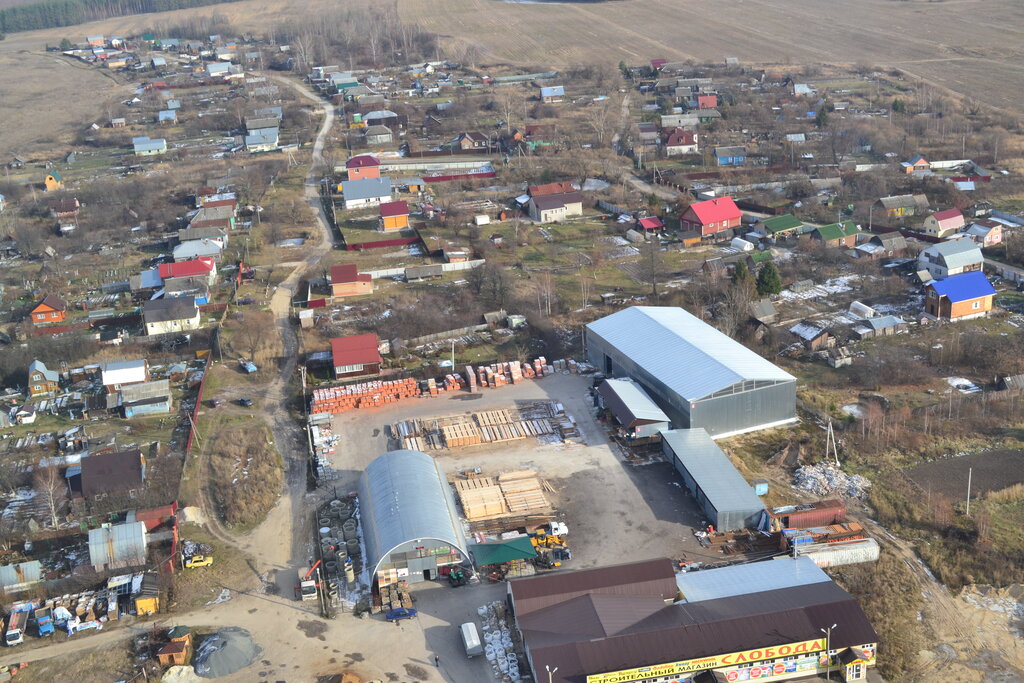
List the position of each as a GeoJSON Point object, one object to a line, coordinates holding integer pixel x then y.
{"type": "Point", "coordinates": [336, 348]}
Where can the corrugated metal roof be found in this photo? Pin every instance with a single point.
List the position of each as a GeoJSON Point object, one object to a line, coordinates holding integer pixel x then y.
{"type": "Point", "coordinates": [744, 579]}
{"type": "Point", "coordinates": [18, 574]}
{"type": "Point", "coordinates": [954, 253]}
{"type": "Point", "coordinates": [686, 354]}
{"type": "Point", "coordinates": [122, 371]}
{"type": "Point", "coordinates": [629, 402]}
{"type": "Point", "coordinates": [724, 487]}
{"type": "Point", "coordinates": [404, 496]}
{"type": "Point", "coordinates": [138, 392]}
{"type": "Point", "coordinates": [366, 188]}
{"type": "Point", "coordinates": [120, 545]}
{"type": "Point", "coordinates": [694, 630]}
{"type": "Point", "coordinates": [964, 287]}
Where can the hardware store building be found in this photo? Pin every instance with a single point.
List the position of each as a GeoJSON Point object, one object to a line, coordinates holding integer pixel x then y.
{"type": "Point", "coordinates": [640, 623]}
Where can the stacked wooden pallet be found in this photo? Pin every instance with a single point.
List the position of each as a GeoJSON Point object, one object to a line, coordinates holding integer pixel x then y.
{"type": "Point", "coordinates": [362, 395]}
{"type": "Point", "coordinates": [488, 418]}
{"type": "Point", "coordinates": [481, 498]}
{"type": "Point", "coordinates": [522, 491]}
{"type": "Point", "coordinates": [396, 595]}
{"type": "Point", "coordinates": [461, 434]}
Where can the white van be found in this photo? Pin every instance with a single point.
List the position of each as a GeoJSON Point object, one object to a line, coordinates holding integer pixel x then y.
{"type": "Point", "coordinates": [471, 639]}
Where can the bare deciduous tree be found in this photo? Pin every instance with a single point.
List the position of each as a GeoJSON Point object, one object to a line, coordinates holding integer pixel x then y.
{"type": "Point", "coordinates": [52, 488]}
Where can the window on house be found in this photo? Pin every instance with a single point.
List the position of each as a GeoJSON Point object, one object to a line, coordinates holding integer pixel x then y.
{"type": "Point", "coordinates": [976, 305]}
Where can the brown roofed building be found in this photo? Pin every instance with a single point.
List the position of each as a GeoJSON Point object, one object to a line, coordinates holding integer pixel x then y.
{"type": "Point", "coordinates": [346, 280]}
{"type": "Point", "coordinates": [52, 309]}
{"type": "Point", "coordinates": [551, 188]}
{"type": "Point", "coordinates": [627, 623]}
{"type": "Point", "coordinates": [103, 474]}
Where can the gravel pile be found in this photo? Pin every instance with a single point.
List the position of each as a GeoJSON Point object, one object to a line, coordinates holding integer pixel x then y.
{"type": "Point", "coordinates": [225, 652]}
{"type": "Point", "coordinates": [823, 479]}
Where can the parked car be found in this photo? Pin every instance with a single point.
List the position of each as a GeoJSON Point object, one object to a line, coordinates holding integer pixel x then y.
{"type": "Point", "coordinates": [216, 402]}
{"type": "Point", "coordinates": [245, 402]}
{"type": "Point", "coordinates": [199, 561]}
{"type": "Point", "coordinates": [400, 613]}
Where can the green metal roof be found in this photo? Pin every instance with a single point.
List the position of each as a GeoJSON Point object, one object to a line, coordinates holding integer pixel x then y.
{"type": "Point", "coordinates": [835, 231]}
{"type": "Point", "coordinates": [786, 221]}
{"type": "Point", "coordinates": [498, 553]}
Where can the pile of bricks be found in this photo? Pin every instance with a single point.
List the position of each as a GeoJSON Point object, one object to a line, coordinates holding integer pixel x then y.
{"type": "Point", "coordinates": [501, 374]}
{"type": "Point", "coordinates": [363, 395]}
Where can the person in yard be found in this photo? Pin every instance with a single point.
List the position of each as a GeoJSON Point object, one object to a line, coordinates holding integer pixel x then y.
{"type": "Point", "coordinates": [437, 661]}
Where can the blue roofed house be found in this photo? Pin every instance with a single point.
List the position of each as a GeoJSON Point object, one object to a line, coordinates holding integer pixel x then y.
{"type": "Point", "coordinates": [174, 104]}
{"type": "Point", "coordinates": [167, 116]}
{"type": "Point", "coordinates": [552, 94]}
{"type": "Point", "coordinates": [145, 147]}
{"type": "Point", "coordinates": [960, 297]}
{"type": "Point", "coordinates": [731, 156]}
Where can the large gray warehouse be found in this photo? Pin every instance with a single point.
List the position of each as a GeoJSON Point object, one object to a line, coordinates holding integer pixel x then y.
{"type": "Point", "coordinates": [700, 377]}
{"type": "Point", "coordinates": [725, 496]}
{"type": "Point", "coordinates": [407, 512]}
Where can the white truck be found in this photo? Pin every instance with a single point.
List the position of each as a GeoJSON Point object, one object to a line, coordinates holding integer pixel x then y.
{"type": "Point", "coordinates": [471, 639]}
{"type": "Point", "coordinates": [16, 623]}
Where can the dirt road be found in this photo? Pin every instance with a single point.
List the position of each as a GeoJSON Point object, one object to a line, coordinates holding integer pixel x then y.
{"type": "Point", "coordinates": [638, 184]}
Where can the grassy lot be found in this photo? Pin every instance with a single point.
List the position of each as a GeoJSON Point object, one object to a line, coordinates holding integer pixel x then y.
{"type": "Point", "coordinates": [103, 665]}
{"type": "Point", "coordinates": [231, 569]}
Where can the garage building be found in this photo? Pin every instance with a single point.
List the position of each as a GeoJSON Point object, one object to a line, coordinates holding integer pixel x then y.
{"type": "Point", "coordinates": [727, 500]}
{"type": "Point", "coordinates": [410, 527]}
{"type": "Point", "coordinates": [627, 623]}
{"type": "Point", "coordinates": [700, 377]}
{"type": "Point", "coordinates": [637, 413]}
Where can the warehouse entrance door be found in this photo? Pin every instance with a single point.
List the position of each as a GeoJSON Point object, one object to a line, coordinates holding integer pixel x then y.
{"type": "Point", "coordinates": [608, 366]}
{"type": "Point", "coordinates": [426, 575]}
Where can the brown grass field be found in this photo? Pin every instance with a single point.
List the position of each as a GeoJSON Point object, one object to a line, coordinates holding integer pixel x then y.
{"type": "Point", "coordinates": [971, 47]}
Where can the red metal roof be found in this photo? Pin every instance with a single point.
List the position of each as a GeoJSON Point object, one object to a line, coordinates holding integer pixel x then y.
{"type": "Point", "coordinates": [948, 214]}
{"type": "Point", "coordinates": [362, 161]}
{"type": "Point", "coordinates": [391, 209]}
{"type": "Point", "coordinates": [716, 210]}
{"type": "Point", "coordinates": [200, 266]}
{"type": "Point", "coordinates": [551, 188]}
{"type": "Point", "coordinates": [346, 272]}
{"type": "Point", "coordinates": [359, 349]}
{"type": "Point", "coordinates": [652, 223]}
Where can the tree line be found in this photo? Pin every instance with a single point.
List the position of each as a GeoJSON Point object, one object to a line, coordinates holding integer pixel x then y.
{"type": "Point", "coordinates": [52, 13]}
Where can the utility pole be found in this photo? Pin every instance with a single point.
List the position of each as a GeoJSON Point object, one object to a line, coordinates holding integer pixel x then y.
{"type": "Point", "coordinates": [970, 471]}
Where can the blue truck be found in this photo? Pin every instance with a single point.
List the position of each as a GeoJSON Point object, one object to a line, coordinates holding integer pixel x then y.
{"type": "Point", "coordinates": [44, 622]}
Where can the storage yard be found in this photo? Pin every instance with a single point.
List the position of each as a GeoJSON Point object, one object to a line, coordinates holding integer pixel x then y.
{"type": "Point", "coordinates": [586, 481]}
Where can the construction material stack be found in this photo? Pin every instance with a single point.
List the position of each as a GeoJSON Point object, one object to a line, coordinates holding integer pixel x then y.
{"type": "Point", "coordinates": [362, 395]}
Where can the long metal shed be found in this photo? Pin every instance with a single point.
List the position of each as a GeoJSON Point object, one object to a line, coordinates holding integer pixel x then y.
{"type": "Point", "coordinates": [725, 496]}
{"type": "Point", "coordinates": [700, 377]}
{"type": "Point", "coordinates": [408, 516]}
{"type": "Point", "coordinates": [633, 408]}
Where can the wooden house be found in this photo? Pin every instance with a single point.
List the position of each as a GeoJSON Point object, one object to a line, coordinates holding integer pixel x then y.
{"type": "Point", "coordinates": [959, 297]}
{"type": "Point", "coordinates": [53, 182]}
{"type": "Point", "coordinates": [394, 216]}
{"type": "Point", "coordinates": [346, 280]}
{"type": "Point", "coordinates": [52, 309]}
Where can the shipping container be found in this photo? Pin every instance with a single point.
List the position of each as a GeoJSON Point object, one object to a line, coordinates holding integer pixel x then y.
{"type": "Point", "coordinates": [821, 513]}
{"type": "Point", "coordinates": [837, 554]}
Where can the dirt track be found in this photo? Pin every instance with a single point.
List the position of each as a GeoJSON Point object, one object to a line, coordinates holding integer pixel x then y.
{"type": "Point", "coordinates": [972, 47]}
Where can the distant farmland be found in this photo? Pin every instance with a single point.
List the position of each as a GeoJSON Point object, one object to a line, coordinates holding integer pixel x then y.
{"type": "Point", "coordinates": [972, 47]}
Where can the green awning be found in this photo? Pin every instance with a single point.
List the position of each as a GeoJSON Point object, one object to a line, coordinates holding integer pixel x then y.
{"type": "Point", "coordinates": [498, 553]}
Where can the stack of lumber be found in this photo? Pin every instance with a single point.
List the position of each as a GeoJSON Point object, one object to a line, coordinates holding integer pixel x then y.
{"type": "Point", "coordinates": [481, 498]}
{"type": "Point", "coordinates": [362, 395]}
{"type": "Point", "coordinates": [523, 492]}
{"type": "Point", "coordinates": [461, 434]}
